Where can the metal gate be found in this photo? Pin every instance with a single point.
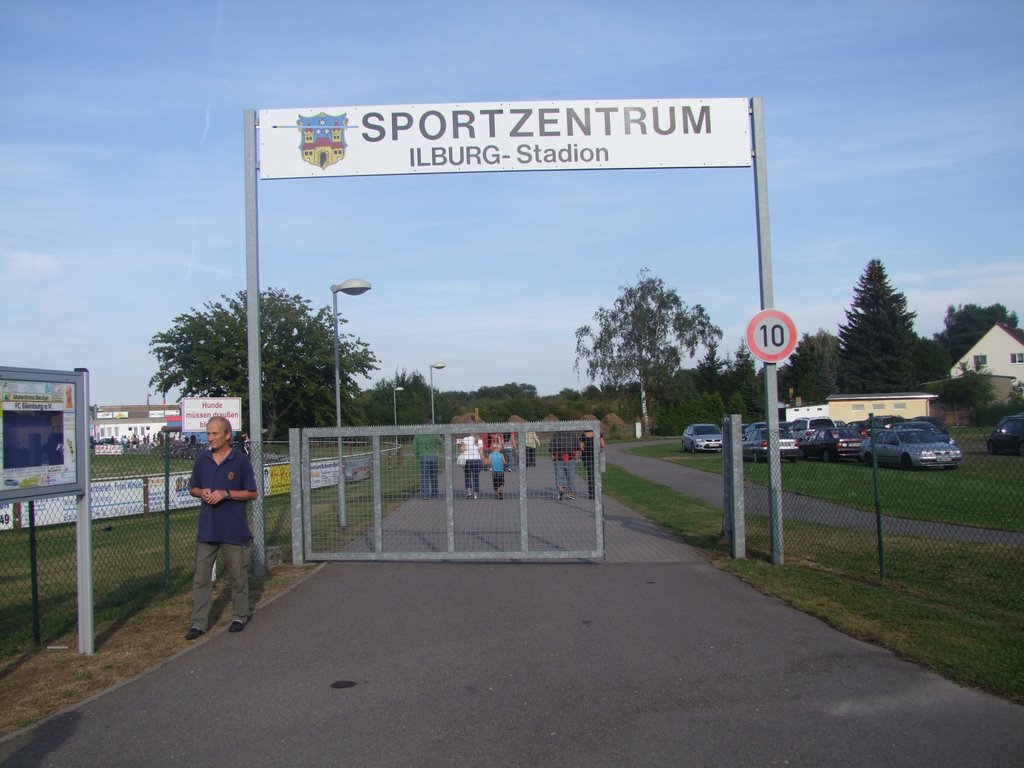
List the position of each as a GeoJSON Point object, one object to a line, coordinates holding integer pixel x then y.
{"type": "Point", "coordinates": [383, 505]}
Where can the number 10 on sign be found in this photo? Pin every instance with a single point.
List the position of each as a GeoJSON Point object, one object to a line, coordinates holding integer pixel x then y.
{"type": "Point", "coordinates": [771, 335]}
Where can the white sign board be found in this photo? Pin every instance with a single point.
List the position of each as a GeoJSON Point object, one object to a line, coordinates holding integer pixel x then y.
{"type": "Point", "coordinates": [504, 136]}
{"type": "Point", "coordinates": [196, 411]}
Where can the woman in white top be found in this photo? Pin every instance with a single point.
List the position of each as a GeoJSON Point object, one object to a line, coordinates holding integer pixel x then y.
{"type": "Point", "coordinates": [470, 447]}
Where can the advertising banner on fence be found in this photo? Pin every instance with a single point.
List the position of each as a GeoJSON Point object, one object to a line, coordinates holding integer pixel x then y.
{"type": "Point", "coordinates": [177, 492]}
{"type": "Point", "coordinates": [277, 478]}
{"type": "Point", "coordinates": [312, 142]}
{"type": "Point", "coordinates": [145, 495]}
{"type": "Point", "coordinates": [110, 498]}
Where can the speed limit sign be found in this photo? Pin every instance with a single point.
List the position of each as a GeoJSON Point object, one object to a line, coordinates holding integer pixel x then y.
{"type": "Point", "coordinates": [771, 335]}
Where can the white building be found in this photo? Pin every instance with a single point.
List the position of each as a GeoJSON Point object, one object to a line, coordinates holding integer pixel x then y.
{"type": "Point", "coordinates": [1000, 352]}
{"type": "Point", "coordinates": [142, 422]}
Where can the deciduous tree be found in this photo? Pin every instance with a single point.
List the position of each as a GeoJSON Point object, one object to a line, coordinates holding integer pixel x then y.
{"type": "Point", "coordinates": [969, 389]}
{"type": "Point", "coordinates": [967, 323]}
{"type": "Point", "coordinates": [205, 353]}
{"type": "Point", "coordinates": [931, 360]}
{"type": "Point", "coordinates": [641, 338]}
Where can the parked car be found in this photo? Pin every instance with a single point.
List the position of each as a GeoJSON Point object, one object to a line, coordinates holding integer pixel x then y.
{"type": "Point", "coordinates": [755, 445]}
{"type": "Point", "coordinates": [933, 420]}
{"type": "Point", "coordinates": [702, 437]}
{"type": "Point", "coordinates": [754, 425]}
{"type": "Point", "coordinates": [924, 426]}
{"type": "Point", "coordinates": [910, 449]}
{"type": "Point", "coordinates": [832, 444]}
{"type": "Point", "coordinates": [802, 428]}
{"type": "Point", "coordinates": [882, 422]}
{"type": "Point", "coordinates": [887, 421]}
{"type": "Point", "coordinates": [862, 427]}
{"type": "Point", "coordinates": [1007, 436]}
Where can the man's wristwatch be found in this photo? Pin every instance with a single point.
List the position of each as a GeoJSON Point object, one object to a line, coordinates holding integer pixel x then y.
{"type": "Point", "coordinates": [229, 494]}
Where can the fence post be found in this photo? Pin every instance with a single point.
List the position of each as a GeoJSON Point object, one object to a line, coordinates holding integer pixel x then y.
{"type": "Point", "coordinates": [34, 566]}
{"type": "Point", "coordinates": [298, 471]}
{"type": "Point", "coordinates": [167, 513]}
{"type": "Point", "coordinates": [735, 524]}
{"type": "Point", "coordinates": [878, 499]}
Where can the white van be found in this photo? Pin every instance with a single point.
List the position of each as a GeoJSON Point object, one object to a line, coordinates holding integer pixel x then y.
{"type": "Point", "coordinates": [802, 428]}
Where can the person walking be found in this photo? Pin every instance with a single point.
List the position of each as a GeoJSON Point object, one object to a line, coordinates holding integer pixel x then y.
{"type": "Point", "coordinates": [509, 446]}
{"type": "Point", "coordinates": [564, 447]}
{"type": "Point", "coordinates": [497, 458]}
{"type": "Point", "coordinates": [471, 459]}
{"type": "Point", "coordinates": [427, 447]}
{"type": "Point", "coordinates": [532, 444]}
{"type": "Point", "coordinates": [223, 479]}
{"type": "Point", "coordinates": [588, 454]}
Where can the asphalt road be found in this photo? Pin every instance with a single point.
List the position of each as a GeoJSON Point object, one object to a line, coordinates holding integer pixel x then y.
{"type": "Point", "coordinates": [653, 659]}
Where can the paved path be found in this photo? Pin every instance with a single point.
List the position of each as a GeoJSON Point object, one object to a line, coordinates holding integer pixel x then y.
{"type": "Point", "coordinates": [651, 658]}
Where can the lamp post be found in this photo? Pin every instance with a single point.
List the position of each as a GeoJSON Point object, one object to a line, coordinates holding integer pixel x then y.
{"type": "Point", "coordinates": [352, 287]}
{"type": "Point", "coordinates": [438, 366]}
{"type": "Point", "coordinates": [394, 400]}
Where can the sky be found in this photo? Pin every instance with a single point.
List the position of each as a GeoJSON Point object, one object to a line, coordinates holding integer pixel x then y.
{"type": "Point", "coordinates": [893, 131]}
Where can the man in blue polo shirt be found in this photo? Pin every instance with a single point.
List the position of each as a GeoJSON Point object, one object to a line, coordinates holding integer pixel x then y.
{"type": "Point", "coordinates": [224, 480]}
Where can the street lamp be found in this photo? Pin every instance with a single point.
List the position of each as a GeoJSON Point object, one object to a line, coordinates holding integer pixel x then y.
{"type": "Point", "coordinates": [394, 399]}
{"type": "Point", "coordinates": [352, 287]}
{"type": "Point", "coordinates": [439, 366]}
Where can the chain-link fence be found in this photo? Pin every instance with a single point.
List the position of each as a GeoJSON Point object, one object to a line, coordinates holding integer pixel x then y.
{"type": "Point", "coordinates": [143, 541]}
{"type": "Point", "coordinates": [954, 530]}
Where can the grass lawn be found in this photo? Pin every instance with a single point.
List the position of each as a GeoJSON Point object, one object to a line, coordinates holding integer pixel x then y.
{"type": "Point", "coordinates": [984, 491]}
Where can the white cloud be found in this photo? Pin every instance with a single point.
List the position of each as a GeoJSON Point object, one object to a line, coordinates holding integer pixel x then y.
{"type": "Point", "coordinates": [26, 270]}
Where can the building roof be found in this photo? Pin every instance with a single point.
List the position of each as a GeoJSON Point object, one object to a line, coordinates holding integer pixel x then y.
{"type": "Point", "coordinates": [885, 396]}
{"type": "Point", "coordinates": [1015, 333]}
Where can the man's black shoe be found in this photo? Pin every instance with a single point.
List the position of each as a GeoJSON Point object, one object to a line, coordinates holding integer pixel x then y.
{"type": "Point", "coordinates": [236, 626]}
{"type": "Point", "coordinates": [193, 633]}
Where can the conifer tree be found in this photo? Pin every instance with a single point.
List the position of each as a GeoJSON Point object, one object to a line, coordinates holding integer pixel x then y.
{"type": "Point", "coordinates": [811, 371]}
{"type": "Point", "coordinates": [877, 341]}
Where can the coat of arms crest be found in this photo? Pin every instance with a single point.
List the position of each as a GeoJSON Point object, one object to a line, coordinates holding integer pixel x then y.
{"type": "Point", "coordinates": [323, 138]}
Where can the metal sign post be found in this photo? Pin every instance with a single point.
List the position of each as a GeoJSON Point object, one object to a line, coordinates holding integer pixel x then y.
{"type": "Point", "coordinates": [771, 389]}
{"type": "Point", "coordinates": [252, 293]}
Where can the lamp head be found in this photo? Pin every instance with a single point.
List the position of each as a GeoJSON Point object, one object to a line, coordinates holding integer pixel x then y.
{"type": "Point", "coordinates": [439, 366]}
{"type": "Point", "coordinates": [352, 287]}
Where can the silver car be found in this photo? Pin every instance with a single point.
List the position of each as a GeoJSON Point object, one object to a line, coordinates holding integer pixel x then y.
{"type": "Point", "coordinates": [910, 449]}
{"type": "Point", "coordinates": [702, 437]}
{"type": "Point", "coordinates": [755, 445]}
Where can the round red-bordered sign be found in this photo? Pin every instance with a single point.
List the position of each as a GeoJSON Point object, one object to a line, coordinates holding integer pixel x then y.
{"type": "Point", "coordinates": [771, 335]}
